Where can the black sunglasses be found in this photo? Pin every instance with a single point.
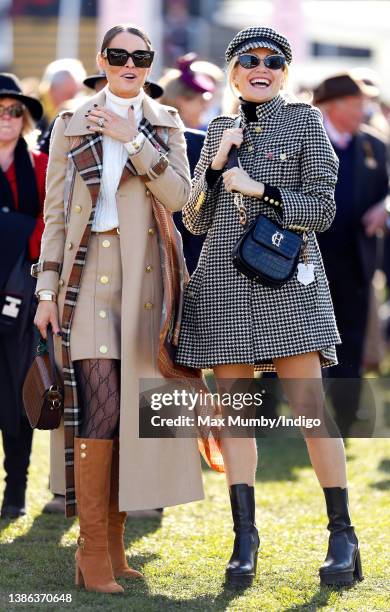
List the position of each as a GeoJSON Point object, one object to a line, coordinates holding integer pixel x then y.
{"type": "Point", "coordinates": [119, 57]}
{"type": "Point", "coordinates": [274, 62]}
{"type": "Point", "coordinates": [15, 110]}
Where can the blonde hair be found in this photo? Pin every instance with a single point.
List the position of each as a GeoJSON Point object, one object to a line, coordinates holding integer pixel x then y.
{"type": "Point", "coordinates": [230, 76]}
{"type": "Point", "coordinates": [28, 125]}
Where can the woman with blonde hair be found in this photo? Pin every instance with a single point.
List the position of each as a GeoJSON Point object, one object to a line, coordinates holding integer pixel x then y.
{"type": "Point", "coordinates": [22, 189]}
{"type": "Point", "coordinates": [234, 324]}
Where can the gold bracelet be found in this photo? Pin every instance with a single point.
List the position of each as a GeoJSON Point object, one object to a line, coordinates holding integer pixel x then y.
{"type": "Point", "coordinates": [47, 297]}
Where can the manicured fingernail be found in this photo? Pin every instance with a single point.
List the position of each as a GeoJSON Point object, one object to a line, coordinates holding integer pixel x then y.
{"type": "Point", "coordinates": [58, 333]}
{"type": "Point", "coordinates": [132, 107]}
{"type": "Point", "coordinates": [95, 105]}
{"type": "Point", "coordinates": [86, 115]}
{"type": "Point", "coordinates": [88, 126]}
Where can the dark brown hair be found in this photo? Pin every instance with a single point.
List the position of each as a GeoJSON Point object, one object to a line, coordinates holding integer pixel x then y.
{"type": "Point", "coordinates": [124, 27]}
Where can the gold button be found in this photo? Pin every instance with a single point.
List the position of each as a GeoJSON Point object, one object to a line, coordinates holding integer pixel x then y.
{"type": "Point", "coordinates": [77, 208]}
{"type": "Point", "coordinates": [83, 455]}
{"type": "Point", "coordinates": [104, 280]}
{"type": "Point", "coordinates": [106, 244]}
{"type": "Point", "coordinates": [148, 305]}
{"type": "Point", "coordinates": [61, 282]}
{"type": "Point", "coordinates": [151, 231]}
{"type": "Point", "coordinates": [277, 202]}
{"type": "Point", "coordinates": [272, 201]}
{"type": "Point", "coordinates": [283, 156]}
{"type": "Point", "coordinates": [258, 129]}
{"type": "Point", "coordinates": [250, 149]}
{"type": "Point", "coordinates": [102, 314]}
{"type": "Point", "coordinates": [70, 246]}
{"type": "Point", "coordinates": [266, 199]}
{"type": "Point", "coordinates": [149, 268]}
{"type": "Point", "coordinates": [103, 349]}
{"type": "Point", "coordinates": [83, 446]}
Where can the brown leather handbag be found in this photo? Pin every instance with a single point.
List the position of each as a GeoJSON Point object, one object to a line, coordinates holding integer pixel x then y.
{"type": "Point", "coordinates": [43, 395]}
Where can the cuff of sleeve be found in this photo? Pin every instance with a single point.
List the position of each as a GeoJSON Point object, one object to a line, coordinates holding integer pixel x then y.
{"type": "Point", "coordinates": [272, 195]}
{"type": "Point", "coordinates": [212, 176]}
{"type": "Point", "coordinates": [135, 145]}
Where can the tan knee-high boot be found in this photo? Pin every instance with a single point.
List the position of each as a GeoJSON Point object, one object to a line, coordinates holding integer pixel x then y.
{"type": "Point", "coordinates": [116, 524]}
{"type": "Point", "coordinates": [92, 461]}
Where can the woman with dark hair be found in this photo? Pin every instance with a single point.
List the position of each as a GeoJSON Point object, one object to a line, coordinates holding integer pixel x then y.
{"type": "Point", "coordinates": [287, 172]}
{"type": "Point", "coordinates": [22, 189]}
{"type": "Point", "coordinates": [110, 254]}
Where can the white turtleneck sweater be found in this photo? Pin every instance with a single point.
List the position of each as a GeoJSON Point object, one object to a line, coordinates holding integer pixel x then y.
{"type": "Point", "coordinates": [115, 154]}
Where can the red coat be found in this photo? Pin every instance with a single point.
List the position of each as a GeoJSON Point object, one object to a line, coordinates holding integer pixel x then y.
{"type": "Point", "coordinates": [40, 167]}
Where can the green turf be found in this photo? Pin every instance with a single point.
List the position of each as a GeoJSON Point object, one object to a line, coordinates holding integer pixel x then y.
{"type": "Point", "coordinates": [184, 556]}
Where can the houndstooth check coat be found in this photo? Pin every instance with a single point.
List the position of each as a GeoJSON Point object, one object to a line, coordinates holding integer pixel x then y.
{"type": "Point", "coordinates": [228, 318]}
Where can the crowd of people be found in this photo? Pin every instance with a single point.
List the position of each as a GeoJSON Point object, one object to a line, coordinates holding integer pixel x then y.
{"type": "Point", "coordinates": [94, 189]}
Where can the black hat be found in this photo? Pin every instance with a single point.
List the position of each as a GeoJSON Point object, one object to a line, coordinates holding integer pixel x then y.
{"type": "Point", "coordinates": [153, 89]}
{"type": "Point", "coordinates": [92, 79]}
{"type": "Point", "coordinates": [252, 38]}
{"type": "Point", "coordinates": [10, 88]}
{"type": "Point", "coordinates": [340, 86]}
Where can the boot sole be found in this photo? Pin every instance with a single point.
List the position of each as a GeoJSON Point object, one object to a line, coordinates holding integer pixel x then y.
{"type": "Point", "coordinates": [238, 582]}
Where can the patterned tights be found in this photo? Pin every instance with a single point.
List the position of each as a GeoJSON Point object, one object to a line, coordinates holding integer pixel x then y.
{"type": "Point", "coordinates": [98, 385]}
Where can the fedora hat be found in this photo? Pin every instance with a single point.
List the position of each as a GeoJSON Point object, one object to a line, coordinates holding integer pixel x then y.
{"type": "Point", "coordinates": [10, 88]}
{"type": "Point", "coordinates": [255, 37]}
{"type": "Point", "coordinates": [341, 86]}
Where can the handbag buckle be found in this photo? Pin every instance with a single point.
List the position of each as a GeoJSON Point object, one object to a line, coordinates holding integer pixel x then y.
{"type": "Point", "coordinates": [54, 396]}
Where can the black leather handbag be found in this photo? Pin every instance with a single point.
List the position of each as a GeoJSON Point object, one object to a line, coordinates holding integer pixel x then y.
{"type": "Point", "coordinates": [267, 253]}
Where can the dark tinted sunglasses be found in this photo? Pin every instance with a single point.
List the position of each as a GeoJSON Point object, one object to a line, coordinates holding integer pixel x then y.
{"type": "Point", "coordinates": [273, 62]}
{"type": "Point", "coordinates": [119, 57]}
{"type": "Point", "coordinates": [15, 110]}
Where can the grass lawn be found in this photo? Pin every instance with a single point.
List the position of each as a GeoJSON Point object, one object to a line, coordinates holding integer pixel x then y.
{"type": "Point", "coordinates": [183, 557]}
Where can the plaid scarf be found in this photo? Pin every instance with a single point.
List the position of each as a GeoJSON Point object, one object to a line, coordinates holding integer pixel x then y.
{"type": "Point", "coordinates": [87, 157]}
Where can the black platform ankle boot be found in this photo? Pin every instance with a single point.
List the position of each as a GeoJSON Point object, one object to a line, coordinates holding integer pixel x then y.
{"type": "Point", "coordinates": [241, 568]}
{"type": "Point", "coordinates": [342, 564]}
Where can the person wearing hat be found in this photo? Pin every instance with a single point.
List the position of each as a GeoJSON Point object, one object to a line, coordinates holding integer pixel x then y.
{"type": "Point", "coordinates": [22, 189]}
{"type": "Point", "coordinates": [349, 248]}
{"type": "Point", "coordinates": [190, 91]}
{"type": "Point", "coordinates": [287, 171]}
{"type": "Point", "coordinates": [99, 80]}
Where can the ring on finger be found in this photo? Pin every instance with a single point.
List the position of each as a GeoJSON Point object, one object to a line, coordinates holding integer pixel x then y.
{"type": "Point", "coordinates": [101, 123]}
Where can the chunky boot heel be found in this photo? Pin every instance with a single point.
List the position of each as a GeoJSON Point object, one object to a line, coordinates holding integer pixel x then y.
{"type": "Point", "coordinates": [358, 572]}
{"type": "Point", "coordinates": [241, 568]}
{"type": "Point", "coordinates": [79, 580]}
{"type": "Point", "coordinates": [116, 524]}
{"type": "Point", "coordinates": [342, 565]}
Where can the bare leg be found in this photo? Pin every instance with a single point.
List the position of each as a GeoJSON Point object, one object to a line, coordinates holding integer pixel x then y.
{"type": "Point", "coordinates": [327, 455]}
{"type": "Point", "coordinates": [239, 454]}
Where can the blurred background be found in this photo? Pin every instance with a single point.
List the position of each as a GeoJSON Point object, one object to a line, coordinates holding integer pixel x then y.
{"type": "Point", "coordinates": [327, 35]}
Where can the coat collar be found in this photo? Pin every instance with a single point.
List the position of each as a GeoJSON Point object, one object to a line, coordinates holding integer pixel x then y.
{"type": "Point", "coordinates": [157, 114]}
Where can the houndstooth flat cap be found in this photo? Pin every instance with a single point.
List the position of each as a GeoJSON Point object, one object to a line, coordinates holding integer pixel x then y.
{"type": "Point", "coordinates": [252, 38]}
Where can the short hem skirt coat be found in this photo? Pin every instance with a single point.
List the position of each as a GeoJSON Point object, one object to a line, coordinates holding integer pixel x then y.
{"type": "Point", "coordinates": [228, 318]}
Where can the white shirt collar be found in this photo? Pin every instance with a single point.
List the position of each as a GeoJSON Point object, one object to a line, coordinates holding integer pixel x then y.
{"type": "Point", "coordinates": [340, 139]}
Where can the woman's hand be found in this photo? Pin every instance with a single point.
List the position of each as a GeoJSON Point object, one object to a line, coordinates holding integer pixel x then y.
{"type": "Point", "coordinates": [47, 314]}
{"type": "Point", "coordinates": [230, 137]}
{"type": "Point", "coordinates": [236, 179]}
{"type": "Point", "coordinates": [113, 125]}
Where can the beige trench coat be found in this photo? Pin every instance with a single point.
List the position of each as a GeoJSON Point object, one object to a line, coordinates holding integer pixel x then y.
{"type": "Point", "coordinates": [153, 472]}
